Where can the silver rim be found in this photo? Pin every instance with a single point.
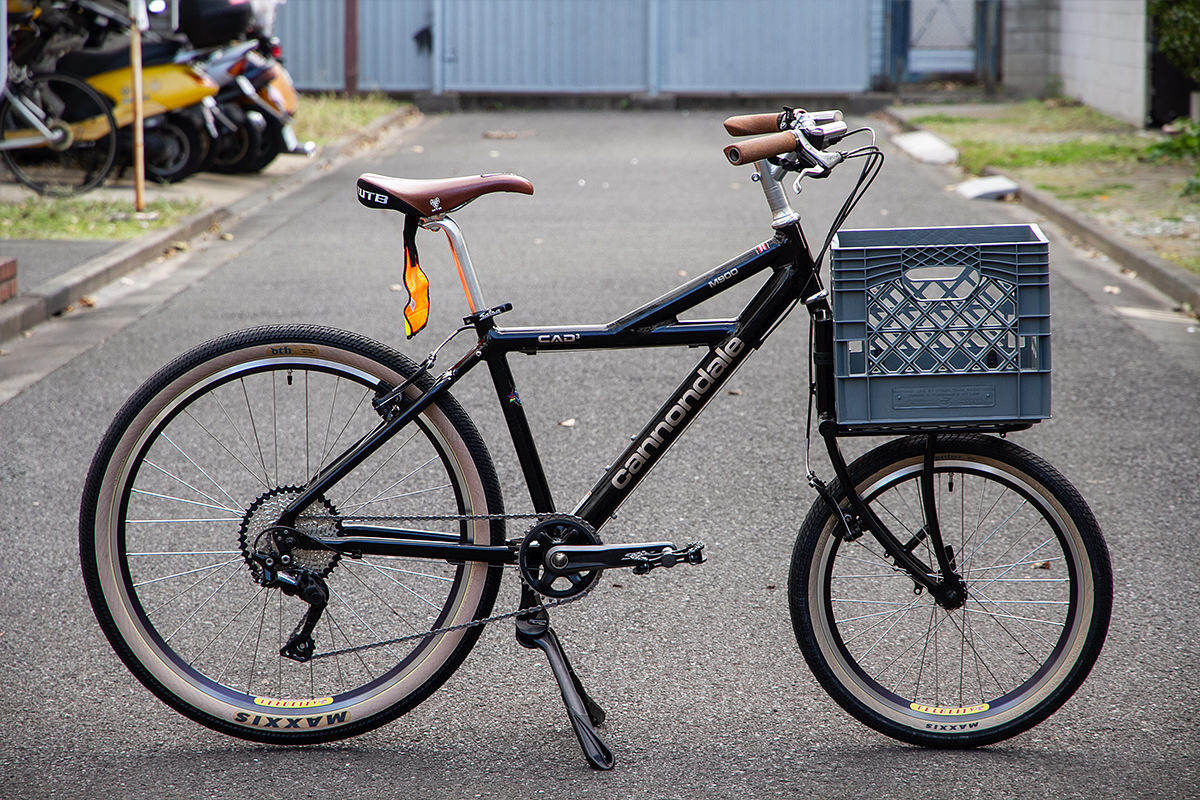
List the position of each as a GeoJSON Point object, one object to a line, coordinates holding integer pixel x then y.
{"type": "Point", "coordinates": [996, 659]}
{"type": "Point", "coordinates": [171, 511]}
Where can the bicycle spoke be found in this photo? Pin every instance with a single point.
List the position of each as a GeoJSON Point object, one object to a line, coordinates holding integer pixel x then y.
{"type": "Point", "coordinates": [242, 439]}
{"type": "Point", "coordinates": [181, 500]}
{"type": "Point", "coordinates": [366, 562]}
{"type": "Point", "coordinates": [254, 430]}
{"type": "Point", "coordinates": [201, 469]}
{"type": "Point", "coordinates": [377, 497]}
{"type": "Point", "coordinates": [186, 572]}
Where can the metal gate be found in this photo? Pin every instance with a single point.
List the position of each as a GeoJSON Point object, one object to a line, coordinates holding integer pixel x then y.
{"type": "Point", "coordinates": [580, 46]}
{"type": "Point", "coordinates": [930, 39]}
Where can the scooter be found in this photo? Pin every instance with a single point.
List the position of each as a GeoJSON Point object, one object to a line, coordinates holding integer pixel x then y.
{"type": "Point", "coordinates": [176, 94]}
{"type": "Point", "coordinates": [256, 104]}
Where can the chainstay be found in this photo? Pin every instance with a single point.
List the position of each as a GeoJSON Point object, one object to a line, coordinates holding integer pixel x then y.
{"type": "Point", "coordinates": [475, 623]}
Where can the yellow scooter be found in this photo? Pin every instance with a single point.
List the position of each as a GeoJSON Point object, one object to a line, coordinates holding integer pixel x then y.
{"type": "Point", "coordinates": [177, 95]}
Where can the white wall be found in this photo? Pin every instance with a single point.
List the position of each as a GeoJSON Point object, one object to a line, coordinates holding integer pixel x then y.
{"type": "Point", "coordinates": [1103, 54]}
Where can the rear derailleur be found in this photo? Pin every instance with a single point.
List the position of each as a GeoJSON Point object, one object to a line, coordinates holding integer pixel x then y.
{"type": "Point", "coordinates": [276, 570]}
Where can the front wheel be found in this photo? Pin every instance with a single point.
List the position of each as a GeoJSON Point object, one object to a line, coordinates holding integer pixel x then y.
{"type": "Point", "coordinates": [1038, 584]}
{"type": "Point", "coordinates": [182, 497]}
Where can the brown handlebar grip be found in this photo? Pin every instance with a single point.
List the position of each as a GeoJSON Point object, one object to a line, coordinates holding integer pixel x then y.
{"type": "Point", "coordinates": [752, 150]}
{"type": "Point", "coordinates": [752, 124]}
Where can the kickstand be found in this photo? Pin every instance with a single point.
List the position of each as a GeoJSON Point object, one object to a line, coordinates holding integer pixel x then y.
{"type": "Point", "coordinates": [584, 713]}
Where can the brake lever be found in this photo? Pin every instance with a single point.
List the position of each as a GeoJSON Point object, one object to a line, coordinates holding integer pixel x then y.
{"type": "Point", "coordinates": [819, 170]}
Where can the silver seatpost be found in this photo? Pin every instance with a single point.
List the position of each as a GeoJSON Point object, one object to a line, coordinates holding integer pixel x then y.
{"type": "Point", "coordinates": [462, 260]}
{"type": "Point", "coordinates": [782, 213]}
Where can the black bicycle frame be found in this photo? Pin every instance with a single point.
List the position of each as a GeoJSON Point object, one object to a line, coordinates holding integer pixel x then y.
{"type": "Point", "coordinates": [655, 324]}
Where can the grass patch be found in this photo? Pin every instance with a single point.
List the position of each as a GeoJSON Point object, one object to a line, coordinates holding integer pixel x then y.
{"type": "Point", "coordinates": [1031, 116]}
{"type": "Point", "coordinates": [928, 120]}
{"type": "Point", "coordinates": [975, 154]}
{"type": "Point", "coordinates": [1085, 193]}
{"type": "Point", "coordinates": [1188, 262]}
{"type": "Point", "coordinates": [71, 218]}
{"type": "Point", "coordinates": [328, 116]}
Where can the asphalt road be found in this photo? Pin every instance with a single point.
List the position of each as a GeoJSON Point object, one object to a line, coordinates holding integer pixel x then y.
{"type": "Point", "coordinates": [707, 693]}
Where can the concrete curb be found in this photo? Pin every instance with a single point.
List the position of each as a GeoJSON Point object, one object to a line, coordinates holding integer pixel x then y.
{"type": "Point", "coordinates": [53, 296]}
{"type": "Point", "coordinates": [1174, 281]}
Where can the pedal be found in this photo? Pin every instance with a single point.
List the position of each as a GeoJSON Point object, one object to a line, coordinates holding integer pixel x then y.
{"type": "Point", "coordinates": [645, 561]}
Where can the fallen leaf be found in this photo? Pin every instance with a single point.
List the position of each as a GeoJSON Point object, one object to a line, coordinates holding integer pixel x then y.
{"type": "Point", "coordinates": [499, 134]}
{"type": "Point", "coordinates": [27, 334]}
{"type": "Point", "coordinates": [1102, 197]}
{"type": "Point", "coordinates": [181, 245]}
{"type": "Point", "coordinates": [568, 423]}
{"type": "Point", "coordinates": [1110, 289]}
{"type": "Point", "coordinates": [1042, 565]}
{"type": "Point", "coordinates": [227, 237]}
{"type": "Point", "coordinates": [734, 392]}
{"type": "Point", "coordinates": [1129, 273]}
{"type": "Point", "coordinates": [770, 586]}
{"type": "Point", "coordinates": [87, 302]}
{"type": "Point", "coordinates": [618, 586]}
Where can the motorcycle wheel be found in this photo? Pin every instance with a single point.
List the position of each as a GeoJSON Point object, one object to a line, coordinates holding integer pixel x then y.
{"type": "Point", "coordinates": [270, 146]}
{"type": "Point", "coordinates": [233, 146]}
{"type": "Point", "coordinates": [176, 147]}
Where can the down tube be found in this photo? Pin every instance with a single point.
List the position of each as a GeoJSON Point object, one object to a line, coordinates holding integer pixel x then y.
{"type": "Point", "coordinates": [662, 431]}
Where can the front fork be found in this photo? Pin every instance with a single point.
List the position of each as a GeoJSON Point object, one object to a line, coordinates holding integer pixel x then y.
{"type": "Point", "coordinates": [945, 584]}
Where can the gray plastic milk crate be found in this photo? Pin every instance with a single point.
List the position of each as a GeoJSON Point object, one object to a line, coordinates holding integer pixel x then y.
{"type": "Point", "coordinates": [941, 325]}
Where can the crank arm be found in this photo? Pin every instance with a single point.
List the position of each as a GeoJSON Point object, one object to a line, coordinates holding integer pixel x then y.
{"type": "Point", "coordinates": [571, 559]}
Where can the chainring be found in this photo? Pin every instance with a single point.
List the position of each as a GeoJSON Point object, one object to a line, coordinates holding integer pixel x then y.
{"type": "Point", "coordinates": [254, 536]}
{"type": "Point", "coordinates": [556, 530]}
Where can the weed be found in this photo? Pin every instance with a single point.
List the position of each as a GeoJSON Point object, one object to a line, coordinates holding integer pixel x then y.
{"type": "Point", "coordinates": [328, 116]}
{"type": "Point", "coordinates": [975, 154]}
{"type": "Point", "coordinates": [71, 218]}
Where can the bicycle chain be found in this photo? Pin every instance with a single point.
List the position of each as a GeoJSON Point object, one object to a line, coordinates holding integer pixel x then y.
{"type": "Point", "coordinates": [475, 623]}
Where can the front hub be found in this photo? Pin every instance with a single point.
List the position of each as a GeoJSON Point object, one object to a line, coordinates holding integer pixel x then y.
{"type": "Point", "coordinates": [952, 593]}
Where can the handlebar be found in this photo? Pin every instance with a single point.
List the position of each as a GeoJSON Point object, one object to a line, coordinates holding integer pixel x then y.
{"type": "Point", "coordinates": [752, 150]}
{"type": "Point", "coordinates": [750, 124]}
{"type": "Point", "coordinates": [808, 133]}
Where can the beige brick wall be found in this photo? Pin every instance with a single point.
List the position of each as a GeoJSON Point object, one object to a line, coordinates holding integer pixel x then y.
{"type": "Point", "coordinates": [1102, 55]}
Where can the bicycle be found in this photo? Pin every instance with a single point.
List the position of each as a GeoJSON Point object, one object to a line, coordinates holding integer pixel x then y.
{"type": "Point", "coordinates": [948, 588]}
{"type": "Point", "coordinates": [57, 134]}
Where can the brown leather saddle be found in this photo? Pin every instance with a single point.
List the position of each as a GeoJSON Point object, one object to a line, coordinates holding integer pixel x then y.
{"type": "Point", "coordinates": [426, 198]}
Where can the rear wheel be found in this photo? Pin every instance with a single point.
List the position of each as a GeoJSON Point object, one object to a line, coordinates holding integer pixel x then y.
{"type": "Point", "coordinates": [81, 155]}
{"type": "Point", "coordinates": [1038, 583]}
{"type": "Point", "coordinates": [185, 488]}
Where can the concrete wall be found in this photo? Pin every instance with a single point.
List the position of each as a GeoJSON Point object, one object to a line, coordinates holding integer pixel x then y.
{"type": "Point", "coordinates": [1103, 55]}
{"type": "Point", "coordinates": [1029, 50]}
